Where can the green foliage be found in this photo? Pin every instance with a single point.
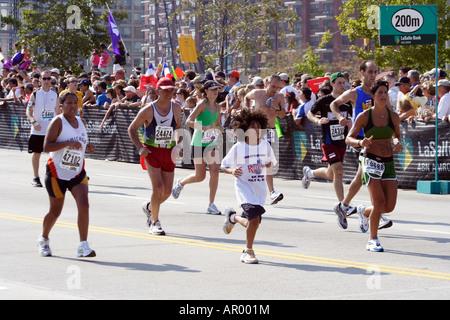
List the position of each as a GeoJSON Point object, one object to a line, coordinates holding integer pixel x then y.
{"type": "Point", "coordinates": [236, 26]}
{"type": "Point", "coordinates": [59, 35]}
{"type": "Point", "coordinates": [356, 20]}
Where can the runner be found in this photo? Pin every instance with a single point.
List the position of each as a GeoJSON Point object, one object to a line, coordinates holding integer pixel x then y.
{"type": "Point", "coordinates": [161, 119]}
{"type": "Point", "coordinates": [333, 142]}
{"type": "Point", "coordinates": [67, 142]}
{"type": "Point", "coordinates": [250, 161]}
{"type": "Point", "coordinates": [361, 100]}
{"type": "Point", "coordinates": [41, 109]}
{"type": "Point", "coordinates": [203, 119]}
{"type": "Point", "coordinates": [380, 125]}
{"type": "Point", "coordinates": [271, 102]}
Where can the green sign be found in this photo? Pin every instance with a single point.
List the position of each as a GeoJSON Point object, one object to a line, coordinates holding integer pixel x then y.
{"type": "Point", "coordinates": [407, 25]}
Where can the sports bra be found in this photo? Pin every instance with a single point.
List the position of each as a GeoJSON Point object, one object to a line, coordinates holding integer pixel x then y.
{"type": "Point", "coordinates": [379, 133]}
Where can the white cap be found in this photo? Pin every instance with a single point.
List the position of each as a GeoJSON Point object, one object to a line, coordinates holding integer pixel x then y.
{"type": "Point", "coordinates": [284, 76]}
{"type": "Point", "coordinates": [130, 88]}
{"type": "Point", "coordinates": [55, 70]}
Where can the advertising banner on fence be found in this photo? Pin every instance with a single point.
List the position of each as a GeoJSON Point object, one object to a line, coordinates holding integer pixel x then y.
{"type": "Point", "coordinates": [299, 145]}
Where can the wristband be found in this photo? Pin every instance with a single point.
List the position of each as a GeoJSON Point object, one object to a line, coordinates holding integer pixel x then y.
{"type": "Point", "coordinates": [359, 144]}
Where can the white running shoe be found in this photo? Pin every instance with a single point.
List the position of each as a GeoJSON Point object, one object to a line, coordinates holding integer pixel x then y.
{"type": "Point", "coordinates": [85, 251]}
{"type": "Point", "coordinates": [306, 180]}
{"type": "Point", "coordinates": [156, 229]}
{"type": "Point", "coordinates": [384, 223]}
{"type": "Point", "coordinates": [44, 247]}
{"type": "Point", "coordinates": [248, 257]}
{"type": "Point", "coordinates": [227, 224]}
{"type": "Point", "coordinates": [350, 210]}
{"type": "Point", "coordinates": [177, 189]}
{"type": "Point", "coordinates": [212, 209]}
{"type": "Point", "coordinates": [363, 220]}
{"type": "Point", "coordinates": [374, 246]}
{"type": "Point", "coordinates": [275, 197]}
{"type": "Point", "coordinates": [147, 212]}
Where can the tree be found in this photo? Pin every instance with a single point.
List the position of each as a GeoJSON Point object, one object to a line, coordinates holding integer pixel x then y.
{"type": "Point", "coordinates": [363, 25]}
{"type": "Point", "coordinates": [60, 33]}
{"type": "Point", "coordinates": [236, 26]}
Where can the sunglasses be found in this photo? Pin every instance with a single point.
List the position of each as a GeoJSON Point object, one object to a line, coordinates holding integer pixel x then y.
{"type": "Point", "coordinates": [47, 78]}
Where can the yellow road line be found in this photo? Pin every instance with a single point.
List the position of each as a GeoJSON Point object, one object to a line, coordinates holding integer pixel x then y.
{"type": "Point", "coordinates": [228, 247]}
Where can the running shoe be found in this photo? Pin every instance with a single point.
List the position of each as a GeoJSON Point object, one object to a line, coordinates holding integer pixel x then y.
{"type": "Point", "coordinates": [248, 257]}
{"type": "Point", "coordinates": [341, 220]}
{"type": "Point", "coordinates": [212, 209]}
{"type": "Point", "coordinates": [156, 229]}
{"type": "Point", "coordinates": [384, 223]}
{"type": "Point", "coordinates": [44, 246]}
{"type": "Point", "coordinates": [148, 212]}
{"type": "Point", "coordinates": [351, 210]}
{"type": "Point", "coordinates": [227, 224]}
{"type": "Point", "coordinates": [363, 220]}
{"type": "Point", "coordinates": [36, 182]}
{"type": "Point", "coordinates": [177, 189]}
{"type": "Point", "coordinates": [275, 197]}
{"type": "Point", "coordinates": [374, 246]}
{"type": "Point", "coordinates": [84, 251]}
{"type": "Point", "coordinates": [306, 180]}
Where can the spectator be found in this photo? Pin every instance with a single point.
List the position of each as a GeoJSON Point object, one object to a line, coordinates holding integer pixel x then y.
{"type": "Point", "coordinates": [444, 102]}
{"type": "Point", "coordinates": [102, 98]}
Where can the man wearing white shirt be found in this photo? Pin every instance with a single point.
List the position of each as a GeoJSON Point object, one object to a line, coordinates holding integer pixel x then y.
{"type": "Point", "coordinates": [287, 88]}
{"type": "Point", "coordinates": [444, 102]}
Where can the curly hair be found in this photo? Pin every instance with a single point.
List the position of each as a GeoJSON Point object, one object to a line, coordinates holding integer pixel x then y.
{"type": "Point", "coordinates": [245, 117]}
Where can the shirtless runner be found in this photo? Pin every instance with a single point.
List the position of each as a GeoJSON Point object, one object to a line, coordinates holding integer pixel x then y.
{"type": "Point", "coordinates": [272, 108]}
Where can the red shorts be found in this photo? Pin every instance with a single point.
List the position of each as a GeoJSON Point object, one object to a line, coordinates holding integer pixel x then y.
{"type": "Point", "coordinates": [332, 153]}
{"type": "Point", "coordinates": [159, 158]}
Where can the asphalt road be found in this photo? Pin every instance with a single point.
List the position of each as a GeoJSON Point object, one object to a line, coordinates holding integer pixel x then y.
{"type": "Point", "coordinates": [303, 254]}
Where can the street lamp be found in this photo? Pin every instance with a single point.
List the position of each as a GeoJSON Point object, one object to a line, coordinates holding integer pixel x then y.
{"type": "Point", "coordinates": [143, 50]}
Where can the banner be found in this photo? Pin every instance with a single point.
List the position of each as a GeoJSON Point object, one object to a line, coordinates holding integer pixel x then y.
{"type": "Point", "coordinates": [188, 52]}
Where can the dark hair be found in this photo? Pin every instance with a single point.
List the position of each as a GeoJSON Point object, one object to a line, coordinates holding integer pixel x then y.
{"type": "Point", "coordinates": [245, 117]}
{"type": "Point", "coordinates": [307, 92]}
{"type": "Point", "coordinates": [377, 84]}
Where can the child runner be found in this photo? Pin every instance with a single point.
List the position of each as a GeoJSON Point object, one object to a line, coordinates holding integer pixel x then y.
{"type": "Point", "coordinates": [249, 160]}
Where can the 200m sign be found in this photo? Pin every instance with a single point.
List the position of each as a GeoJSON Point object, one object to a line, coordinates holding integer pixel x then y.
{"type": "Point", "coordinates": [407, 20]}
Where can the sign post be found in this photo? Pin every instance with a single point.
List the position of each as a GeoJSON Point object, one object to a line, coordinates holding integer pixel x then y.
{"type": "Point", "coordinates": [415, 25]}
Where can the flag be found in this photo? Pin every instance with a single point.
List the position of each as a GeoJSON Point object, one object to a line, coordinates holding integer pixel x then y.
{"type": "Point", "coordinates": [166, 71]}
{"type": "Point", "coordinates": [179, 72]}
{"type": "Point", "coordinates": [115, 34]}
{"type": "Point", "coordinates": [149, 78]}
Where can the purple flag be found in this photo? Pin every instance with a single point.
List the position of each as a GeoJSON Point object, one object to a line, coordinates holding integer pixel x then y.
{"type": "Point", "coordinates": [115, 35]}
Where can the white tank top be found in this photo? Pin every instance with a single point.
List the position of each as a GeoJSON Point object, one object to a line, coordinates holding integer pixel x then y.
{"type": "Point", "coordinates": [67, 163]}
{"type": "Point", "coordinates": [44, 110]}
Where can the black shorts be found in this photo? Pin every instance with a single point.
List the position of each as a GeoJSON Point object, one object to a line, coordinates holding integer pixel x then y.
{"type": "Point", "coordinates": [56, 188]}
{"type": "Point", "coordinates": [252, 211]}
{"type": "Point", "coordinates": [36, 144]}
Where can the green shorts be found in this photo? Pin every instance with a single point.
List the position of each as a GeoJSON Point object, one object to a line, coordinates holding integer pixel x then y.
{"type": "Point", "coordinates": [377, 168]}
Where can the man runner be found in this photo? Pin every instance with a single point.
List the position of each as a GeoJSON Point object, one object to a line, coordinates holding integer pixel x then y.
{"type": "Point", "coordinates": [333, 141]}
{"type": "Point", "coordinates": [272, 108]}
{"type": "Point", "coordinates": [161, 119]}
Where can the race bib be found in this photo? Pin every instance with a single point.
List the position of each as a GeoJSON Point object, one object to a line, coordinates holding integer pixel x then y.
{"type": "Point", "coordinates": [337, 132]}
{"type": "Point", "coordinates": [163, 135]}
{"type": "Point", "coordinates": [47, 115]}
{"type": "Point", "coordinates": [210, 135]}
{"type": "Point", "coordinates": [71, 159]}
{"type": "Point", "coordinates": [373, 167]}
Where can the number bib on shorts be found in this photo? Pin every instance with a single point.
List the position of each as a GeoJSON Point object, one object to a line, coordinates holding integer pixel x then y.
{"type": "Point", "coordinates": [373, 167]}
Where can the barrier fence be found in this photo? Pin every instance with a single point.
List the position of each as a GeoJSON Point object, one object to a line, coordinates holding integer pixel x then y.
{"type": "Point", "coordinates": [299, 145]}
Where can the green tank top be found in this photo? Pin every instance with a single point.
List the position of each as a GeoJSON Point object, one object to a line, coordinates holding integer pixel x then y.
{"type": "Point", "coordinates": [379, 133]}
{"type": "Point", "coordinates": [205, 118]}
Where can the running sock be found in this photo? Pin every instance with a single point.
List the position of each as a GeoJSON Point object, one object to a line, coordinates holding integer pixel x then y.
{"type": "Point", "coordinates": [343, 206]}
{"type": "Point", "coordinates": [232, 220]}
{"type": "Point", "coordinates": [310, 174]}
